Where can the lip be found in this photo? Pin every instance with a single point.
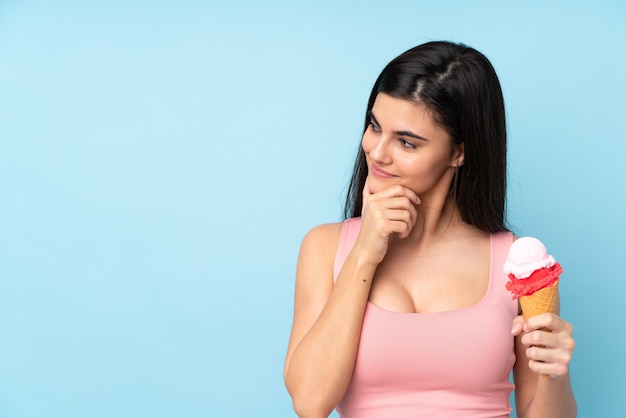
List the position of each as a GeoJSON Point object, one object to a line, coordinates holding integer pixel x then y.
{"type": "Point", "coordinates": [378, 172]}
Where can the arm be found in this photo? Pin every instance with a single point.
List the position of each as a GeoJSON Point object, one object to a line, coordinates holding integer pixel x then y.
{"type": "Point", "coordinates": [535, 396]}
{"type": "Point", "coordinates": [327, 325]}
{"type": "Point", "coordinates": [328, 318]}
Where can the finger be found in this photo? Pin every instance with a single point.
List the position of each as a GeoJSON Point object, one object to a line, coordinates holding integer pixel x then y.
{"type": "Point", "coordinates": [366, 194]}
{"type": "Point", "coordinates": [538, 337]}
{"type": "Point", "coordinates": [543, 354]}
{"type": "Point", "coordinates": [548, 361]}
{"type": "Point", "coordinates": [400, 191]}
{"type": "Point", "coordinates": [549, 321]}
{"type": "Point", "coordinates": [401, 202]}
{"type": "Point", "coordinates": [413, 213]}
{"type": "Point", "coordinates": [409, 208]}
{"type": "Point", "coordinates": [561, 342]}
{"type": "Point", "coordinates": [553, 370]}
{"type": "Point", "coordinates": [401, 221]}
{"type": "Point", "coordinates": [378, 204]}
{"type": "Point", "coordinates": [366, 190]}
{"type": "Point", "coordinates": [402, 228]}
{"type": "Point", "coordinates": [412, 196]}
{"type": "Point", "coordinates": [518, 325]}
{"type": "Point", "coordinates": [549, 355]}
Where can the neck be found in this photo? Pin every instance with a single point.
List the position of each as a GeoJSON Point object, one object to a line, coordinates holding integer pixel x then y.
{"type": "Point", "coordinates": [437, 217]}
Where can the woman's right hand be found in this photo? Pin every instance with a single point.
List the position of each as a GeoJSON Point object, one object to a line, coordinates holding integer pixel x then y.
{"type": "Point", "coordinates": [389, 211]}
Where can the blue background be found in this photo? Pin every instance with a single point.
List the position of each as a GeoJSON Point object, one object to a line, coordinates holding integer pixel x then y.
{"type": "Point", "coordinates": [161, 161]}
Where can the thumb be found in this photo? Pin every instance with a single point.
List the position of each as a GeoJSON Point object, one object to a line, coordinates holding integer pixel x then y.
{"type": "Point", "coordinates": [518, 325]}
{"type": "Point", "coordinates": [366, 195]}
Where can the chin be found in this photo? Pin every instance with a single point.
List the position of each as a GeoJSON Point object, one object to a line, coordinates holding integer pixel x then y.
{"type": "Point", "coordinates": [376, 184]}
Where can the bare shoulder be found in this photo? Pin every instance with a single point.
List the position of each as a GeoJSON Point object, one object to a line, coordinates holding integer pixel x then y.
{"type": "Point", "coordinates": [322, 238]}
{"type": "Point", "coordinates": [317, 252]}
{"type": "Point", "coordinates": [314, 274]}
{"type": "Point", "coordinates": [325, 231]}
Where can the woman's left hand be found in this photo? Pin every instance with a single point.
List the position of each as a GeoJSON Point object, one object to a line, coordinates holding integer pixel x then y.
{"type": "Point", "coordinates": [549, 343]}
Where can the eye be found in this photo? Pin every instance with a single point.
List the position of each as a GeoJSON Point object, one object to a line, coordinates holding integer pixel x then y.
{"type": "Point", "coordinates": [406, 144]}
{"type": "Point", "coordinates": [374, 126]}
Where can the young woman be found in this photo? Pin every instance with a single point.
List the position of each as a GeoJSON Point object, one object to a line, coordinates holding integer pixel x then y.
{"type": "Point", "coordinates": [402, 310]}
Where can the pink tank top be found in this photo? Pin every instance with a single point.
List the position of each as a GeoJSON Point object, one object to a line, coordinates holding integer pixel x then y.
{"type": "Point", "coordinates": [445, 364]}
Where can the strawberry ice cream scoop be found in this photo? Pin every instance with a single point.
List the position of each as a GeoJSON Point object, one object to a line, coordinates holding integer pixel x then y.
{"type": "Point", "coordinates": [530, 267]}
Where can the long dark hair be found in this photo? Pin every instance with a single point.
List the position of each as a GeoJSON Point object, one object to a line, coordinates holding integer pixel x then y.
{"type": "Point", "coordinates": [460, 86]}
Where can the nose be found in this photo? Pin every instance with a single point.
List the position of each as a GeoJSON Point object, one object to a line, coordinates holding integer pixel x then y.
{"type": "Point", "coordinates": [379, 151]}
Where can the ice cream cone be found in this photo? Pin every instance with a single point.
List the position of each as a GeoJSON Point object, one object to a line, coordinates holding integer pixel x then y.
{"type": "Point", "coordinates": [542, 301]}
{"type": "Point", "coordinates": [533, 278]}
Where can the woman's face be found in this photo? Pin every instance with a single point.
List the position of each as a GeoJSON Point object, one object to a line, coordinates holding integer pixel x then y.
{"type": "Point", "coordinates": [403, 145]}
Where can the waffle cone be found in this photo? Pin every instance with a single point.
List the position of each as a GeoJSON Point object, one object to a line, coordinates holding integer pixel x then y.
{"type": "Point", "coordinates": [545, 300]}
{"type": "Point", "coordinates": [542, 301]}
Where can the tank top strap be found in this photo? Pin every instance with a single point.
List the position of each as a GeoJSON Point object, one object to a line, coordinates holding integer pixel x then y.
{"type": "Point", "coordinates": [349, 231]}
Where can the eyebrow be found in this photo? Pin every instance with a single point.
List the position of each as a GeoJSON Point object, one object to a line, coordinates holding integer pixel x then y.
{"type": "Point", "coordinates": [398, 133]}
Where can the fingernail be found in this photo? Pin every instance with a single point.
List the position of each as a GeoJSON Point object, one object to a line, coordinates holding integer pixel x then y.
{"type": "Point", "coordinates": [516, 327]}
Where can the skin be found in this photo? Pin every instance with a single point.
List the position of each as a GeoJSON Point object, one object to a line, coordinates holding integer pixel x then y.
{"type": "Point", "coordinates": [413, 254]}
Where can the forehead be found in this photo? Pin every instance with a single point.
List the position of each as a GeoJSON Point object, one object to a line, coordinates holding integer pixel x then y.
{"type": "Point", "coordinates": [406, 115]}
{"type": "Point", "coordinates": [385, 102]}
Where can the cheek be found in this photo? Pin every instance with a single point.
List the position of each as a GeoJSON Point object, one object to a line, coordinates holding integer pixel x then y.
{"type": "Point", "coordinates": [421, 167]}
{"type": "Point", "coordinates": [412, 168]}
{"type": "Point", "coordinates": [366, 143]}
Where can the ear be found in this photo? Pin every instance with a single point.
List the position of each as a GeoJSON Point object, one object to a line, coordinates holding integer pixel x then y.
{"type": "Point", "coordinates": [458, 155]}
